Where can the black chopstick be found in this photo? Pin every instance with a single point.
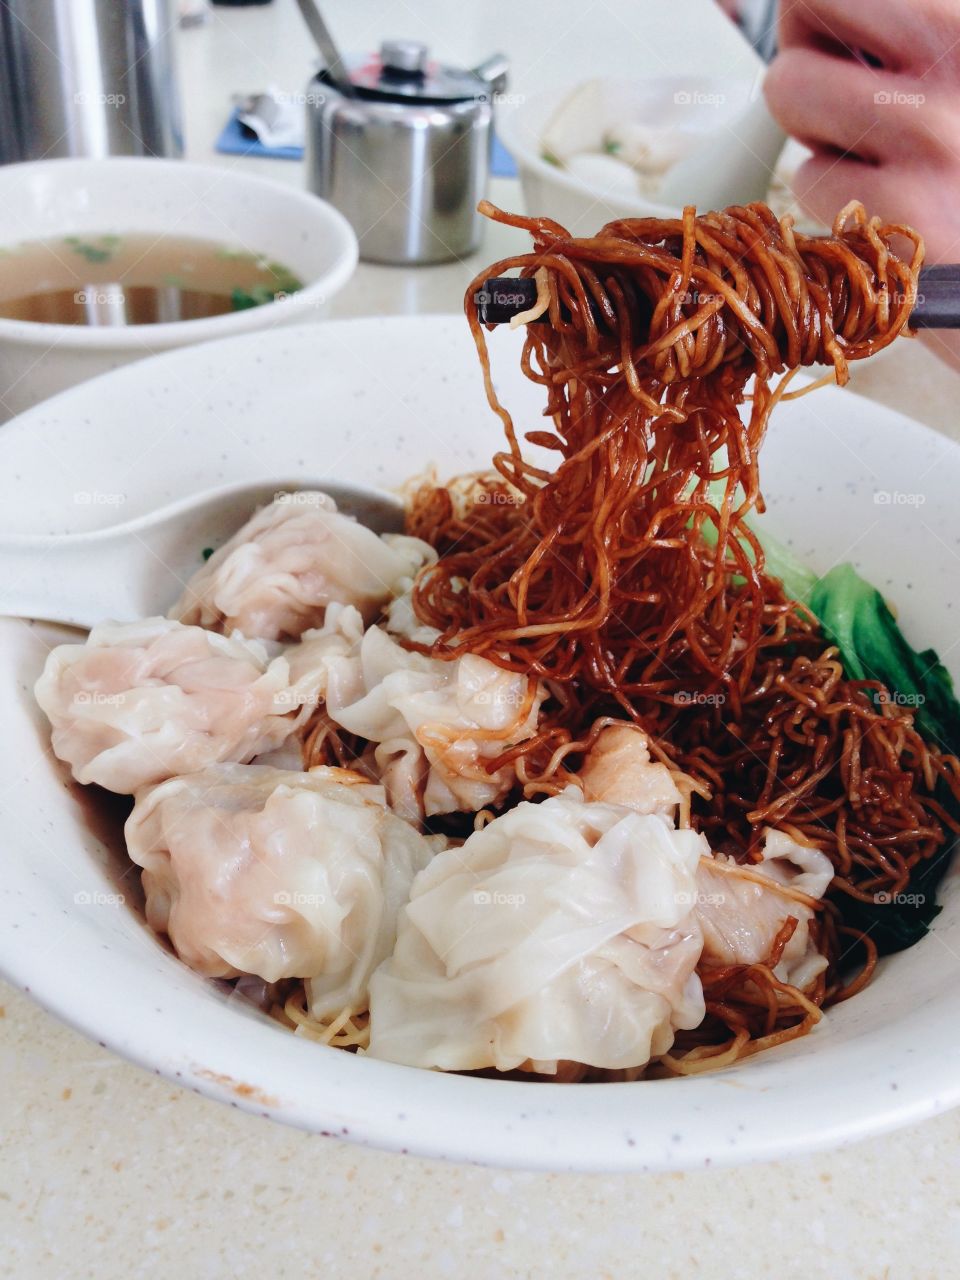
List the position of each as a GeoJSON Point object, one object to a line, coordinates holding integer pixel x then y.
{"type": "Point", "coordinates": [937, 306]}
{"type": "Point", "coordinates": [938, 297]}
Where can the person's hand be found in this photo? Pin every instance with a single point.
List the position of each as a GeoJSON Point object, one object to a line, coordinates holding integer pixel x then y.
{"type": "Point", "coordinates": [873, 88]}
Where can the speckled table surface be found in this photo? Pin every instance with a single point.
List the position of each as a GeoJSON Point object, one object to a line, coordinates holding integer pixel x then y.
{"type": "Point", "coordinates": [110, 1172]}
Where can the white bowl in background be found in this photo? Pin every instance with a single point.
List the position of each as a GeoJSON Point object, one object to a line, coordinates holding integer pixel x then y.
{"type": "Point", "coordinates": [51, 198]}
{"type": "Point", "coordinates": [374, 401]}
{"type": "Point", "coordinates": [727, 145]}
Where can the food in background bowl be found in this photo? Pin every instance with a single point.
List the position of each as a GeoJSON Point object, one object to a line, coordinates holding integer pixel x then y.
{"type": "Point", "coordinates": [613, 148]}
{"type": "Point", "coordinates": [626, 139]}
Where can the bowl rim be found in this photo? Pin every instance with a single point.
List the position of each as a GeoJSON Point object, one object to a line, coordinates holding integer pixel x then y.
{"type": "Point", "coordinates": [159, 337]}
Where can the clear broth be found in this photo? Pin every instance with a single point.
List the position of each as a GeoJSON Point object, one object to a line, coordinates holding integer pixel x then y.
{"type": "Point", "coordinates": [134, 279]}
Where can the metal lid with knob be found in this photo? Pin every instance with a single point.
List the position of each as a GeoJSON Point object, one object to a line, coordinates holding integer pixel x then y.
{"type": "Point", "coordinates": [404, 57]}
{"type": "Point", "coordinates": [404, 69]}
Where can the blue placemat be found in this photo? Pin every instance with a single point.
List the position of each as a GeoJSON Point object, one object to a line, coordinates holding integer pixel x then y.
{"type": "Point", "coordinates": [502, 163]}
{"type": "Point", "coordinates": [234, 140]}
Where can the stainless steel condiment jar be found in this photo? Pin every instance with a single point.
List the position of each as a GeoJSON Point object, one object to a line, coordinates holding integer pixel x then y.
{"type": "Point", "coordinates": [405, 153]}
{"type": "Point", "coordinates": [88, 78]}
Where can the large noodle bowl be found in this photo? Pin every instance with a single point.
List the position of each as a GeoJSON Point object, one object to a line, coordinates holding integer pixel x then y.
{"type": "Point", "coordinates": [566, 782]}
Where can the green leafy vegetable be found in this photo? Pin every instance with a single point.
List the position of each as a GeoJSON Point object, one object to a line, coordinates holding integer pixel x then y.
{"type": "Point", "coordinates": [859, 622]}
{"type": "Point", "coordinates": [856, 618]}
{"type": "Point", "coordinates": [898, 921]}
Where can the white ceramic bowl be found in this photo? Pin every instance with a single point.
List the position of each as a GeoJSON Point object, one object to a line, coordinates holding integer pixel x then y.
{"type": "Point", "coordinates": [372, 401]}
{"type": "Point", "coordinates": [74, 197]}
{"type": "Point", "coordinates": [726, 110]}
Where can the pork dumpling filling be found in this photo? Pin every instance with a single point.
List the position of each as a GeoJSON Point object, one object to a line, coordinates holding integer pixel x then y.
{"type": "Point", "coordinates": [618, 770]}
{"type": "Point", "coordinates": [743, 909]}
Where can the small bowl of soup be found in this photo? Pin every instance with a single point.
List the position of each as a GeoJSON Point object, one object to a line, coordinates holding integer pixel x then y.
{"type": "Point", "coordinates": [107, 261]}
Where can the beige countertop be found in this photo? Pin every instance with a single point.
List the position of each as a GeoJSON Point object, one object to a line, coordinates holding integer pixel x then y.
{"type": "Point", "coordinates": [110, 1172]}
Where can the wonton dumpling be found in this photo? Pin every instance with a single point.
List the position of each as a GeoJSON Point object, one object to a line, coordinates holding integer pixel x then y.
{"type": "Point", "coordinates": [275, 577]}
{"type": "Point", "coordinates": [560, 931]}
{"type": "Point", "coordinates": [435, 723]}
{"type": "Point", "coordinates": [255, 870]}
{"type": "Point", "coordinates": [141, 701]}
{"type": "Point", "coordinates": [741, 918]}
